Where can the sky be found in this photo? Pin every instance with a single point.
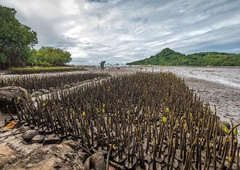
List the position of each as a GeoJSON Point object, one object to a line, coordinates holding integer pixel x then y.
{"type": "Point", "coordinates": [122, 31]}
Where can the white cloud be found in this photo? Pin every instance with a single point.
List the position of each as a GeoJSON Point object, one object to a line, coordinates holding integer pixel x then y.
{"type": "Point", "coordinates": [123, 31]}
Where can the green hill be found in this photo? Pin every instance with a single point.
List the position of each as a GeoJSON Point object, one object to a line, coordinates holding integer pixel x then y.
{"type": "Point", "coordinates": [170, 57]}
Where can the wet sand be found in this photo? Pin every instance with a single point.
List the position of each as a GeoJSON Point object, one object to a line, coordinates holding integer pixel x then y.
{"type": "Point", "coordinates": [226, 99]}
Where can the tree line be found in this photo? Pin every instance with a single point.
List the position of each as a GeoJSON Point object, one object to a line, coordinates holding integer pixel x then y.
{"type": "Point", "coordinates": [170, 57]}
{"type": "Point", "coordinates": [17, 41]}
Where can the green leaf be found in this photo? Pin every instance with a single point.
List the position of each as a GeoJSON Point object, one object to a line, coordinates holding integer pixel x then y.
{"type": "Point", "coordinates": [164, 119]}
{"type": "Point", "coordinates": [225, 129]}
{"type": "Point", "coordinates": [167, 110]}
{"type": "Point", "coordinates": [191, 116]}
{"type": "Point", "coordinates": [210, 144]}
{"type": "Point", "coordinates": [235, 131]}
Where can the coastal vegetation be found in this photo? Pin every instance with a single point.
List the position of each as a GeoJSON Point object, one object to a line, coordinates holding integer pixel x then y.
{"type": "Point", "coordinates": [17, 41]}
{"type": "Point", "coordinates": [154, 122]}
{"type": "Point", "coordinates": [33, 83]}
{"type": "Point", "coordinates": [169, 57]}
{"type": "Point", "coordinates": [40, 69]}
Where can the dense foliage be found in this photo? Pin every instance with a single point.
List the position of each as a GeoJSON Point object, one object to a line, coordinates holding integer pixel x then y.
{"type": "Point", "coordinates": [17, 41]}
{"type": "Point", "coordinates": [213, 59]}
{"type": "Point", "coordinates": [49, 56]}
{"type": "Point", "coordinates": [170, 57]}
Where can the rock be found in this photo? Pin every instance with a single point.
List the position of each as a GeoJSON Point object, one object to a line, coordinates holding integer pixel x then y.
{"type": "Point", "coordinates": [87, 163]}
{"type": "Point", "coordinates": [38, 139]}
{"type": "Point", "coordinates": [51, 139]}
{"type": "Point", "coordinates": [8, 95]}
{"type": "Point", "coordinates": [48, 158]}
{"type": "Point", "coordinates": [23, 129]}
{"type": "Point", "coordinates": [28, 135]}
{"type": "Point", "coordinates": [7, 156]}
{"type": "Point", "coordinates": [75, 146]}
{"type": "Point", "coordinates": [82, 155]}
{"type": "Point", "coordinates": [72, 144]}
{"type": "Point", "coordinates": [42, 130]}
{"type": "Point", "coordinates": [97, 161]}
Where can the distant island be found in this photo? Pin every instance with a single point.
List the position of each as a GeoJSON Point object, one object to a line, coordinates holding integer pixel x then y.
{"type": "Point", "coordinates": [170, 57]}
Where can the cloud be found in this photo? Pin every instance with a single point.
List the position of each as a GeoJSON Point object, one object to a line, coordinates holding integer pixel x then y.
{"type": "Point", "coordinates": [99, 1]}
{"type": "Point", "coordinates": [121, 31]}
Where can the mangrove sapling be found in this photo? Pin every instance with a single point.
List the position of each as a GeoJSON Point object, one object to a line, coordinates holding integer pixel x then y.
{"type": "Point", "coordinates": [237, 161]}
{"type": "Point", "coordinates": [154, 164]}
{"type": "Point", "coordinates": [120, 156]}
{"type": "Point", "coordinates": [131, 159]}
{"type": "Point", "coordinates": [170, 148]}
{"type": "Point", "coordinates": [224, 153]}
{"type": "Point", "coordinates": [233, 146]}
{"type": "Point", "coordinates": [20, 110]}
{"type": "Point", "coordinates": [141, 156]}
{"type": "Point", "coordinates": [155, 111]}
{"type": "Point", "coordinates": [174, 162]}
